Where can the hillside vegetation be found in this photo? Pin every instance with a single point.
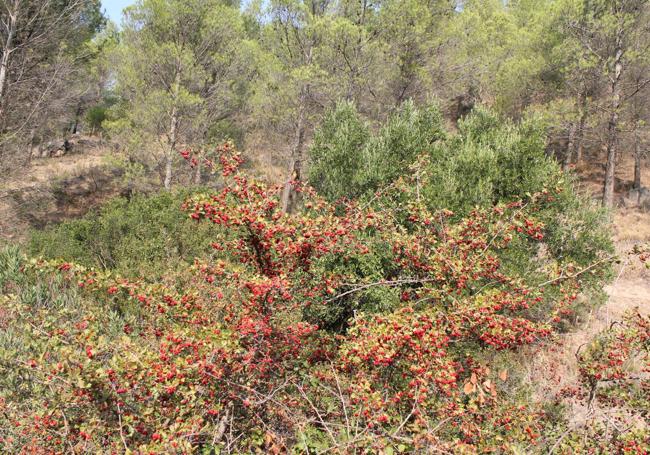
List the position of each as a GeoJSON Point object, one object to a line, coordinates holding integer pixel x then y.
{"type": "Point", "coordinates": [381, 324]}
{"type": "Point", "coordinates": [316, 227]}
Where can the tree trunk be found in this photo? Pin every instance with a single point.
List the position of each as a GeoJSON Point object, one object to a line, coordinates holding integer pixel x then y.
{"type": "Point", "coordinates": [637, 158]}
{"type": "Point", "coordinates": [171, 137]}
{"type": "Point", "coordinates": [7, 49]}
{"type": "Point", "coordinates": [30, 145]}
{"type": "Point", "coordinates": [75, 126]}
{"type": "Point", "coordinates": [172, 147]}
{"type": "Point", "coordinates": [570, 147]}
{"type": "Point", "coordinates": [289, 197]}
{"type": "Point", "coordinates": [168, 172]}
{"type": "Point", "coordinates": [612, 128]}
{"type": "Point", "coordinates": [580, 131]}
{"type": "Point", "coordinates": [197, 170]}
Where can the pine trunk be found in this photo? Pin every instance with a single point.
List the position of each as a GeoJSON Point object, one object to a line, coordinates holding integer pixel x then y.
{"type": "Point", "coordinates": [7, 49]}
{"type": "Point", "coordinates": [289, 196]}
{"type": "Point", "coordinates": [637, 158]}
{"type": "Point", "coordinates": [172, 147]}
{"type": "Point", "coordinates": [172, 136]}
{"type": "Point", "coordinates": [580, 131]}
{"type": "Point", "coordinates": [568, 158]}
{"type": "Point", "coordinates": [612, 127]}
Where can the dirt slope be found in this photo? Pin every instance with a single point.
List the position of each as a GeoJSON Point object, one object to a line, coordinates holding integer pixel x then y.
{"type": "Point", "coordinates": [49, 190]}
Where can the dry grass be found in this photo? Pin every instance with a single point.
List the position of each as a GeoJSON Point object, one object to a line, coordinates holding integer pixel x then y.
{"type": "Point", "coordinates": [554, 367]}
{"type": "Point", "coordinates": [268, 156]}
{"type": "Point", "coordinates": [631, 225]}
{"type": "Point", "coordinates": [31, 196]}
{"type": "Point", "coordinates": [44, 170]}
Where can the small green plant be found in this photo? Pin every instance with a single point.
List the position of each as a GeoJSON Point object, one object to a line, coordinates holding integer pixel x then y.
{"type": "Point", "coordinates": [95, 117]}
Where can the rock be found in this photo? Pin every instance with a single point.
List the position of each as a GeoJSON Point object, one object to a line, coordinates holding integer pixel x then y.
{"type": "Point", "coordinates": [628, 202]}
{"type": "Point", "coordinates": [83, 142]}
{"type": "Point", "coordinates": [638, 197]}
{"type": "Point", "coordinates": [54, 149]}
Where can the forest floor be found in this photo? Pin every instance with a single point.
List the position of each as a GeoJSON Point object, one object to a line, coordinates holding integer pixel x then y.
{"type": "Point", "coordinates": [553, 368]}
{"type": "Point", "coordinates": [49, 190]}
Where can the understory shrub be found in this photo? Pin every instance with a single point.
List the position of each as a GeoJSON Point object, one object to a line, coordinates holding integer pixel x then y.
{"type": "Point", "coordinates": [346, 161]}
{"type": "Point", "coordinates": [357, 329]}
{"type": "Point", "coordinates": [136, 236]}
{"type": "Point", "coordinates": [489, 161]}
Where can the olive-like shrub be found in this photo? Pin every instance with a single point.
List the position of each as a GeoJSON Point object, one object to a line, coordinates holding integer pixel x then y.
{"type": "Point", "coordinates": [488, 161]}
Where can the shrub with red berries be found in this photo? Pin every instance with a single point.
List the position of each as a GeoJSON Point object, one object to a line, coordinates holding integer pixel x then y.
{"type": "Point", "coordinates": [345, 328]}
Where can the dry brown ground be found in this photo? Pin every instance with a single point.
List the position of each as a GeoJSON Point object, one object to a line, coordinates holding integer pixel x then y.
{"type": "Point", "coordinates": [49, 190]}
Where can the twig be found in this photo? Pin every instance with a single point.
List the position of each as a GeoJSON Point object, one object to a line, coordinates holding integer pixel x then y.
{"type": "Point", "coordinates": [119, 420]}
{"type": "Point", "coordinates": [320, 418]}
{"type": "Point", "coordinates": [557, 443]}
{"type": "Point", "coordinates": [388, 283]}
{"type": "Point", "coordinates": [563, 277]}
{"type": "Point", "coordinates": [340, 394]}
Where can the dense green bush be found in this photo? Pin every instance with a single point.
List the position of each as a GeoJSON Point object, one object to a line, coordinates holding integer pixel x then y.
{"type": "Point", "coordinates": [492, 160]}
{"type": "Point", "coordinates": [407, 134]}
{"type": "Point", "coordinates": [133, 237]}
{"type": "Point", "coordinates": [95, 117]}
{"type": "Point", "coordinates": [489, 161]}
{"type": "Point", "coordinates": [336, 155]}
{"type": "Point", "coordinates": [347, 161]}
